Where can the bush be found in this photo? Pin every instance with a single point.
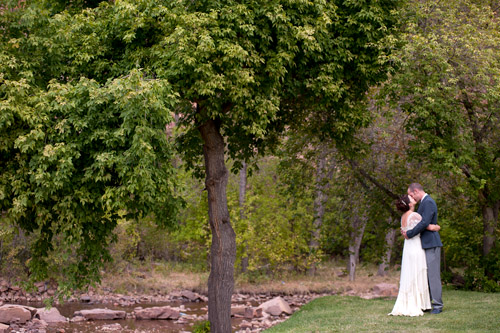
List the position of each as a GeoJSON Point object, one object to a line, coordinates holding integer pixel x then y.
{"type": "Point", "coordinates": [202, 327]}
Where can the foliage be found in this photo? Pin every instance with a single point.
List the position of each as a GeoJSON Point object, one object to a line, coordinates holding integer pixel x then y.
{"type": "Point", "coordinates": [87, 89]}
{"type": "Point", "coordinates": [202, 327]}
{"type": "Point", "coordinates": [14, 252]}
{"type": "Point", "coordinates": [275, 231]}
{"type": "Point", "coordinates": [77, 154]}
{"type": "Point", "coordinates": [447, 85]}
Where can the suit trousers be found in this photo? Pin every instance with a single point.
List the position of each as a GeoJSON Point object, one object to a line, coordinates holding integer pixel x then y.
{"type": "Point", "coordinates": [433, 257]}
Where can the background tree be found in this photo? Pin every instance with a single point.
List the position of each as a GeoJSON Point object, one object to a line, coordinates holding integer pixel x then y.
{"type": "Point", "coordinates": [448, 86]}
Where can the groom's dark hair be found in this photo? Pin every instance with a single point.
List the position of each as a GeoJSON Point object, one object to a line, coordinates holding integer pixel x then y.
{"type": "Point", "coordinates": [415, 186]}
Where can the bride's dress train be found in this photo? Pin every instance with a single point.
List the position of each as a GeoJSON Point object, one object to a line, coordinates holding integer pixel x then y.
{"type": "Point", "coordinates": [413, 296]}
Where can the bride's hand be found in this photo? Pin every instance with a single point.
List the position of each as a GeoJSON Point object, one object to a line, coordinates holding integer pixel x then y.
{"type": "Point", "coordinates": [433, 227]}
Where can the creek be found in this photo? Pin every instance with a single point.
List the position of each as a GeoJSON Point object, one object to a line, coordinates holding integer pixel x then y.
{"type": "Point", "coordinates": [187, 309]}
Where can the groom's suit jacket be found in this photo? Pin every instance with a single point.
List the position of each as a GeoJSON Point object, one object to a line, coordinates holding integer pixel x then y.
{"type": "Point", "coordinates": [428, 210]}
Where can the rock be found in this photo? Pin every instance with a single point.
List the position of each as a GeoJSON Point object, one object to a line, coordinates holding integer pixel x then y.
{"type": "Point", "coordinates": [237, 311]}
{"type": "Point", "coordinates": [11, 312]}
{"type": "Point", "coordinates": [38, 324]}
{"type": "Point", "coordinates": [276, 306]}
{"type": "Point", "coordinates": [30, 309]}
{"type": "Point", "coordinates": [129, 299]}
{"type": "Point", "coordinates": [191, 296]}
{"type": "Point", "coordinates": [51, 315]}
{"type": "Point", "coordinates": [101, 314]}
{"type": "Point", "coordinates": [4, 328]}
{"type": "Point", "coordinates": [245, 324]}
{"type": "Point", "coordinates": [111, 327]}
{"type": "Point", "coordinates": [85, 299]}
{"type": "Point", "coordinates": [157, 312]}
{"type": "Point", "coordinates": [77, 319]}
{"type": "Point", "coordinates": [251, 313]}
{"type": "Point", "coordinates": [385, 289]}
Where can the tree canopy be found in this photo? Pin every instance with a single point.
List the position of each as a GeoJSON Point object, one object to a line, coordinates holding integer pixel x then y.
{"type": "Point", "coordinates": [88, 88]}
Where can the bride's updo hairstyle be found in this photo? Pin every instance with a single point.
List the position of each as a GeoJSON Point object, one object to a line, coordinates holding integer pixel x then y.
{"type": "Point", "coordinates": [403, 203]}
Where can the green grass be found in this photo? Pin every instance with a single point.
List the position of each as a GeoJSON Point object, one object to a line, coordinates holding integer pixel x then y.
{"type": "Point", "coordinates": [464, 311]}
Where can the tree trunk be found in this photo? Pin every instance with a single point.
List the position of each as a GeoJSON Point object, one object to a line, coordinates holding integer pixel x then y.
{"type": "Point", "coordinates": [223, 248]}
{"type": "Point", "coordinates": [242, 197]}
{"type": "Point", "coordinates": [319, 205]}
{"type": "Point", "coordinates": [390, 238]}
{"type": "Point", "coordinates": [490, 223]}
{"type": "Point", "coordinates": [358, 229]}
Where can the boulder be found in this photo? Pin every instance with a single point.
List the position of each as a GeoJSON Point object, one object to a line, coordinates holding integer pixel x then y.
{"type": "Point", "coordinates": [385, 289]}
{"type": "Point", "coordinates": [30, 309]}
{"type": "Point", "coordinates": [191, 296]}
{"type": "Point", "coordinates": [11, 312]}
{"type": "Point", "coordinates": [238, 311]}
{"type": "Point", "coordinates": [251, 313]}
{"type": "Point", "coordinates": [157, 312]}
{"type": "Point", "coordinates": [276, 307]}
{"type": "Point", "coordinates": [51, 315]}
{"type": "Point", "coordinates": [4, 328]}
{"type": "Point", "coordinates": [100, 314]}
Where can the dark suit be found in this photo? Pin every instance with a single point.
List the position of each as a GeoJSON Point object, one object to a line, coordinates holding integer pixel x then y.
{"type": "Point", "coordinates": [428, 210]}
{"type": "Point", "coordinates": [431, 243]}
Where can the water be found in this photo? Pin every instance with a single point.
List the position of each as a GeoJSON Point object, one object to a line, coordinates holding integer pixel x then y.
{"type": "Point", "coordinates": [129, 325]}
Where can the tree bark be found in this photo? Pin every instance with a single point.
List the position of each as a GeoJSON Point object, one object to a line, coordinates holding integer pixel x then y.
{"type": "Point", "coordinates": [321, 185]}
{"type": "Point", "coordinates": [223, 248]}
{"type": "Point", "coordinates": [390, 238]}
{"type": "Point", "coordinates": [242, 198]}
{"type": "Point", "coordinates": [358, 229]}
{"type": "Point", "coordinates": [490, 223]}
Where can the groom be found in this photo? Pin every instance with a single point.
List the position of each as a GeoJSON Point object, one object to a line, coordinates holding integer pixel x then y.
{"type": "Point", "coordinates": [431, 242]}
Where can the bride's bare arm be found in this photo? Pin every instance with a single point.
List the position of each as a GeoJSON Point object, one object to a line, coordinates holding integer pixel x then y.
{"type": "Point", "coordinates": [433, 227]}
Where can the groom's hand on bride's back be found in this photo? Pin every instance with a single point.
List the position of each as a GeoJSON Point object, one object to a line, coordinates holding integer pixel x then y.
{"type": "Point", "coordinates": [404, 234]}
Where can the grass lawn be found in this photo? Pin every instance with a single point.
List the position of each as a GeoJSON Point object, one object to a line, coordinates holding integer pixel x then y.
{"type": "Point", "coordinates": [464, 311]}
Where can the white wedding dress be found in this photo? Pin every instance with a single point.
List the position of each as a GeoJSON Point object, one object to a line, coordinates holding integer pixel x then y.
{"type": "Point", "coordinates": [413, 296]}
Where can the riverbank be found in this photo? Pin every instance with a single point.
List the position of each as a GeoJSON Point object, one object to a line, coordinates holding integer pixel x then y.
{"type": "Point", "coordinates": [164, 278]}
{"type": "Point", "coordinates": [135, 288]}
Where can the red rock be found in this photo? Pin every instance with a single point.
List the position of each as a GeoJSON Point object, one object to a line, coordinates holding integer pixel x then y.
{"type": "Point", "coordinates": [157, 312]}
{"type": "Point", "coordinates": [51, 315]}
{"type": "Point", "coordinates": [238, 310]}
{"type": "Point", "coordinates": [10, 312]}
{"type": "Point", "coordinates": [101, 314]}
{"type": "Point", "coordinates": [276, 306]}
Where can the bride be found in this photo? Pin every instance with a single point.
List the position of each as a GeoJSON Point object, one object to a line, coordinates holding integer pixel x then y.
{"type": "Point", "coordinates": [413, 296]}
